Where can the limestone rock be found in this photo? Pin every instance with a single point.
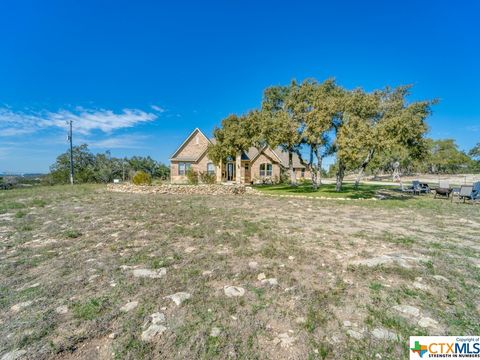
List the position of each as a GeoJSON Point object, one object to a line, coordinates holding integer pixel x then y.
{"type": "Point", "coordinates": [20, 306]}
{"type": "Point", "coordinates": [215, 332]}
{"type": "Point", "coordinates": [129, 306]}
{"type": "Point", "coordinates": [407, 310]}
{"type": "Point", "coordinates": [384, 334]}
{"type": "Point", "coordinates": [233, 291]}
{"type": "Point", "coordinates": [152, 331]}
{"type": "Point", "coordinates": [200, 189]}
{"type": "Point", "coordinates": [14, 354]}
{"type": "Point", "coordinates": [62, 309]}
{"type": "Point", "coordinates": [153, 274]}
{"type": "Point", "coordinates": [284, 340]}
{"type": "Point", "coordinates": [155, 328]}
{"type": "Point", "coordinates": [270, 281]}
{"type": "Point", "coordinates": [357, 335]}
{"type": "Point", "coordinates": [426, 322]}
{"type": "Point", "coordinates": [179, 297]}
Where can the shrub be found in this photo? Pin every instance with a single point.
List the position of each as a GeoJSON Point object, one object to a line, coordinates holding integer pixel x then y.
{"type": "Point", "coordinates": [142, 178]}
{"type": "Point", "coordinates": [207, 178]}
{"type": "Point", "coordinates": [192, 177]}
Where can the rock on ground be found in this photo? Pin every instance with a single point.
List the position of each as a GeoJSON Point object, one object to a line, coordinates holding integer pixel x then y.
{"type": "Point", "coordinates": [357, 335]}
{"type": "Point", "coordinates": [270, 281]}
{"type": "Point", "coordinates": [407, 310]}
{"type": "Point", "coordinates": [387, 259]}
{"type": "Point", "coordinates": [20, 306]}
{"type": "Point", "coordinates": [384, 334]}
{"type": "Point", "coordinates": [62, 309]}
{"type": "Point", "coordinates": [200, 189]}
{"type": "Point", "coordinates": [14, 354]}
{"type": "Point", "coordinates": [418, 284]}
{"type": "Point", "coordinates": [152, 331]}
{"type": "Point", "coordinates": [427, 322]}
{"type": "Point", "coordinates": [284, 340]}
{"type": "Point", "coordinates": [215, 332]}
{"type": "Point", "coordinates": [253, 265]}
{"type": "Point", "coordinates": [129, 306]}
{"type": "Point", "coordinates": [155, 328]}
{"type": "Point", "coordinates": [179, 297]}
{"type": "Point", "coordinates": [153, 274]}
{"type": "Point", "coordinates": [233, 291]}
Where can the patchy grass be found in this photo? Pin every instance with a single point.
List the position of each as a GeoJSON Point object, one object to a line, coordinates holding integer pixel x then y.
{"type": "Point", "coordinates": [73, 234]}
{"type": "Point", "coordinates": [67, 256]}
{"type": "Point", "coordinates": [349, 191]}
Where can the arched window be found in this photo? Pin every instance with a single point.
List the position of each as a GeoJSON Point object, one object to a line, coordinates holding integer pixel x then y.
{"type": "Point", "coordinates": [265, 170]}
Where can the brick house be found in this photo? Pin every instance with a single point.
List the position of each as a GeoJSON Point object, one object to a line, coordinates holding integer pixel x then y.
{"type": "Point", "coordinates": [252, 166]}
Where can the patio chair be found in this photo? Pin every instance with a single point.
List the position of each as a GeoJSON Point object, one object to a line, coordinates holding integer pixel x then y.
{"type": "Point", "coordinates": [443, 189]}
{"type": "Point", "coordinates": [465, 193]}
{"type": "Point", "coordinates": [424, 188]}
{"type": "Point", "coordinates": [407, 189]}
{"type": "Point", "coordinates": [476, 191]}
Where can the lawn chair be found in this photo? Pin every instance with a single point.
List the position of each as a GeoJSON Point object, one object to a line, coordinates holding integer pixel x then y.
{"type": "Point", "coordinates": [414, 189]}
{"type": "Point", "coordinates": [407, 189]}
{"type": "Point", "coordinates": [443, 189]}
{"type": "Point", "coordinates": [465, 193]}
{"type": "Point", "coordinates": [424, 188]}
{"type": "Point", "coordinates": [476, 191]}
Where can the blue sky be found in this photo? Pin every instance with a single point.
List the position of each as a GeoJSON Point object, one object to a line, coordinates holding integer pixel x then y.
{"type": "Point", "coordinates": [138, 76]}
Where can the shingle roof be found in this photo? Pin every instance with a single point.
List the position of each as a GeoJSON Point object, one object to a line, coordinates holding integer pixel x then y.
{"type": "Point", "coordinates": [283, 155]}
{"type": "Point", "coordinates": [252, 152]}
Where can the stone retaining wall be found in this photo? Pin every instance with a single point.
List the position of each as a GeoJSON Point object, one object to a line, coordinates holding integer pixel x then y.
{"type": "Point", "coordinates": [201, 189]}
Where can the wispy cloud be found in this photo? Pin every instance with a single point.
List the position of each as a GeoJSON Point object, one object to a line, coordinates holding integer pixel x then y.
{"type": "Point", "coordinates": [157, 108]}
{"type": "Point", "coordinates": [15, 123]}
{"type": "Point", "coordinates": [118, 142]}
{"type": "Point", "coordinates": [474, 128]}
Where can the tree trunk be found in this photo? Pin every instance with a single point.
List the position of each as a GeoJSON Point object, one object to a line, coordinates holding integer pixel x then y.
{"type": "Point", "coordinates": [293, 177]}
{"type": "Point", "coordinates": [340, 175]}
{"type": "Point", "coordinates": [318, 168]}
{"type": "Point", "coordinates": [363, 167]}
{"type": "Point", "coordinates": [312, 170]}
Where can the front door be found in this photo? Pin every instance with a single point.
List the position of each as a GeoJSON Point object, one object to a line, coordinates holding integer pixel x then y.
{"type": "Point", "coordinates": [230, 171]}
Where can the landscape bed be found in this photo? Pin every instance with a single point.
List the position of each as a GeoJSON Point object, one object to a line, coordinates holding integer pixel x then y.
{"type": "Point", "coordinates": [90, 273]}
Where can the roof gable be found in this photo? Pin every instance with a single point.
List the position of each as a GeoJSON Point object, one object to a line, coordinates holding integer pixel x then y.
{"type": "Point", "coordinates": [194, 146]}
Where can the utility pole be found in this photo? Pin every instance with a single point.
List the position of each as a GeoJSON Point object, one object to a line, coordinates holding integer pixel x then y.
{"type": "Point", "coordinates": [71, 153]}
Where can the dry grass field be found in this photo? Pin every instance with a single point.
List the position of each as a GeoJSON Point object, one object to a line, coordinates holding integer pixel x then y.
{"type": "Point", "coordinates": [88, 274]}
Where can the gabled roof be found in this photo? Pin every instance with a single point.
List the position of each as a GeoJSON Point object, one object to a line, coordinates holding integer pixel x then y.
{"type": "Point", "coordinates": [190, 158]}
{"type": "Point", "coordinates": [250, 155]}
{"type": "Point", "coordinates": [283, 155]}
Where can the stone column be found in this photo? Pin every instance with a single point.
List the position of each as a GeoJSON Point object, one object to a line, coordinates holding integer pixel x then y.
{"type": "Point", "coordinates": [219, 170]}
{"type": "Point", "coordinates": [238, 168]}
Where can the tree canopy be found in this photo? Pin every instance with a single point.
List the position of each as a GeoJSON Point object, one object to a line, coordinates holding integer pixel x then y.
{"type": "Point", "coordinates": [102, 167]}
{"type": "Point", "coordinates": [358, 127]}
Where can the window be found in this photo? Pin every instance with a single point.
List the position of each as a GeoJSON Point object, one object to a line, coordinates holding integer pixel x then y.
{"type": "Point", "coordinates": [246, 167]}
{"type": "Point", "coordinates": [210, 169]}
{"type": "Point", "coordinates": [183, 168]}
{"type": "Point", "coordinates": [303, 173]}
{"type": "Point", "coordinates": [265, 170]}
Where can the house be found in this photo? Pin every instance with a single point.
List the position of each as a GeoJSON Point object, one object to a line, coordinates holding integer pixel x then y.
{"type": "Point", "coordinates": [252, 166]}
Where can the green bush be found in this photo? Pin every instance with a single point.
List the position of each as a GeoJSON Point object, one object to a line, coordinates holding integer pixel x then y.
{"type": "Point", "coordinates": [207, 178]}
{"type": "Point", "coordinates": [192, 177]}
{"type": "Point", "coordinates": [142, 178]}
